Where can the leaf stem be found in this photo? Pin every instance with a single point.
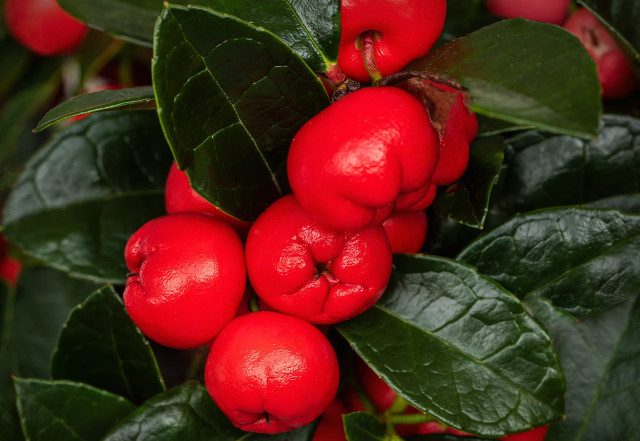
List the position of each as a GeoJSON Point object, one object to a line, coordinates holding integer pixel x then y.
{"type": "Point", "coordinates": [398, 406]}
{"type": "Point", "coordinates": [412, 418]}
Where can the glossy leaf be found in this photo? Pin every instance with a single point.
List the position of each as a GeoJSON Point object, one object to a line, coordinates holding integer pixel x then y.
{"type": "Point", "coordinates": [546, 170]}
{"type": "Point", "coordinates": [309, 27]}
{"type": "Point", "coordinates": [132, 20]}
{"type": "Point", "coordinates": [627, 203]}
{"type": "Point", "coordinates": [584, 260]}
{"type": "Point", "coordinates": [135, 98]}
{"type": "Point", "coordinates": [101, 346]}
{"type": "Point", "coordinates": [491, 126]}
{"type": "Point", "coordinates": [601, 360]}
{"type": "Point", "coordinates": [81, 197]}
{"type": "Point", "coordinates": [621, 17]}
{"type": "Point", "coordinates": [187, 412]}
{"type": "Point", "coordinates": [67, 411]}
{"type": "Point", "coordinates": [230, 98]}
{"type": "Point", "coordinates": [526, 73]}
{"type": "Point", "coordinates": [45, 298]}
{"type": "Point", "coordinates": [459, 347]}
{"type": "Point", "coordinates": [362, 426]}
{"type": "Point", "coordinates": [467, 201]}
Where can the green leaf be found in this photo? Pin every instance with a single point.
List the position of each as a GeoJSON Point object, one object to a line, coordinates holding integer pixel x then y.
{"type": "Point", "coordinates": [491, 126]}
{"type": "Point", "coordinates": [546, 170]}
{"type": "Point", "coordinates": [187, 412]}
{"type": "Point", "coordinates": [81, 197]}
{"type": "Point", "coordinates": [464, 17]}
{"type": "Point", "coordinates": [9, 420]}
{"type": "Point", "coordinates": [135, 98]}
{"type": "Point", "coordinates": [63, 410]}
{"type": "Point", "coordinates": [467, 201]}
{"type": "Point", "coordinates": [526, 73]}
{"type": "Point", "coordinates": [45, 298]}
{"type": "Point", "coordinates": [459, 347]}
{"type": "Point", "coordinates": [14, 61]}
{"type": "Point", "coordinates": [362, 426]}
{"type": "Point", "coordinates": [601, 361]}
{"type": "Point", "coordinates": [621, 17]}
{"type": "Point", "coordinates": [230, 98]}
{"type": "Point", "coordinates": [131, 20]}
{"type": "Point", "coordinates": [101, 346]}
{"type": "Point", "coordinates": [584, 260]}
{"type": "Point", "coordinates": [309, 27]}
{"type": "Point", "coordinates": [627, 203]}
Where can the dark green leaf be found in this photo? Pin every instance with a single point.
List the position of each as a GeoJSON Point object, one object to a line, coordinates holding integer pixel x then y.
{"type": "Point", "coordinates": [601, 360]}
{"type": "Point", "coordinates": [82, 196]}
{"type": "Point", "coordinates": [467, 201]}
{"type": "Point", "coordinates": [309, 27]}
{"type": "Point", "coordinates": [9, 420]}
{"type": "Point", "coordinates": [526, 73]}
{"type": "Point", "coordinates": [14, 61]}
{"type": "Point", "coordinates": [584, 260]}
{"type": "Point", "coordinates": [135, 98]}
{"type": "Point", "coordinates": [491, 126]}
{"type": "Point", "coordinates": [459, 347]}
{"type": "Point", "coordinates": [63, 410]}
{"type": "Point", "coordinates": [185, 413]}
{"type": "Point", "coordinates": [132, 20]}
{"type": "Point", "coordinates": [230, 98]}
{"type": "Point", "coordinates": [45, 298]}
{"type": "Point", "coordinates": [549, 170]}
{"type": "Point", "coordinates": [362, 426]}
{"type": "Point", "coordinates": [627, 203]}
{"type": "Point", "coordinates": [621, 17]}
{"type": "Point", "coordinates": [464, 17]}
{"type": "Point", "coordinates": [101, 346]}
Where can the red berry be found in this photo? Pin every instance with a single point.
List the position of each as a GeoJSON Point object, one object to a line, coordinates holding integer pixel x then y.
{"type": "Point", "coordinates": [406, 230]}
{"type": "Point", "coordinates": [179, 196]}
{"type": "Point", "coordinates": [375, 148]}
{"type": "Point", "coordinates": [271, 373]}
{"type": "Point", "coordinates": [331, 427]}
{"type": "Point", "coordinates": [535, 434]}
{"type": "Point", "coordinates": [614, 71]}
{"type": "Point", "coordinates": [403, 31]}
{"type": "Point", "coordinates": [548, 11]}
{"type": "Point", "coordinates": [43, 26]}
{"type": "Point", "coordinates": [188, 277]}
{"type": "Point", "coordinates": [302, 268]}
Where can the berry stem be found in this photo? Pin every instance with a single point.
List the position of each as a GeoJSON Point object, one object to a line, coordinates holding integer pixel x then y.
{"type": "Point", "coordinates": [253, 303]}
{"type": "Point", "coordinates": [411, 418]}
{"type": "Point", "coordinates": [398, 406]}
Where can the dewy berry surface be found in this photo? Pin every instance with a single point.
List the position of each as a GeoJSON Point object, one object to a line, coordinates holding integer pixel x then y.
{"type": "Point", "coordinates": [187, 278]}
{"type": "Point", "coordinates": [43, 26]}
{"type": "Point", "coordinates": [302, 268]}
{"type": "Point", "coordinates": [403, 31]}
{"type": "Point", "coordinates": [375, 148]}
{"type": "Point", "coordinates": [271, 373]}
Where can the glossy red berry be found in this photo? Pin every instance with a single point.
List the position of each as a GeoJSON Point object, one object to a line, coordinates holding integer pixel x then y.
{"type": "Point", "coordinates": [179, 196]}
{"type": "Point", "coordinates": [535, 434]}
{"type": "Point", "coordinates": [403, 30]}
{"type": "Point", "coordinates": [187, 278]}
{"type": "Point", "coordinates": [271, 373]}
{"type": "Point", "coordinates": [614, 71]}
{"type": "Point", "coordinates": [351, 164]}
{"type": "Point", "coordinates": [43, 26]}
{"type": "Point", "coordinates": [302, 268]}
{"type": "Point", "coordinates": [406, 230]}
{"type": "Point", "coordinates": [548, 11]}
{"type": "Point", "coordinates": [331, 427]}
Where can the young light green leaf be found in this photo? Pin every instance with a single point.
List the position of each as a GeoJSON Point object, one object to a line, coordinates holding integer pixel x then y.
{"type": "Point", "coordinates": [187, 412]}
{"type": "Point", "coordinates": [309, 27]}
{"type": "Point", "coordinates": [584, 260]}
{"type": "Point", "coordinates": [230, 99]}
{"type": "Point", "coordinates": [81, 197]}
{"type": "Point", "coordinates": [362, 426]}
{"type": "Point", "coordinates": [601, 361]}
{"type": "Point", "coordinates": [135, 98]}
{"type": "Point", "coordinates": [67, 411]}
{"type": "Point", "coordinates": [101, 346]}
{"type": "Point", "coordinates": [526, 73]}
{"type": "Point", "coordinates": [459, 347]}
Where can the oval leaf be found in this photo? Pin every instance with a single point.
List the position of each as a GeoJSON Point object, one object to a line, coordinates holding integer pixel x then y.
{"type": "Point", "coordinates": [309, 27]}
{"type": "Point", "coordinates": [459, 347]}
{"type": "Point", "coordinates": [362, 426]}
{"type": "Point", "coordinates": [467, 201]}
{"type": "Point", "coordinates": [81, 197]}
{"type": "Point", "coordinates": [601, 362]}
{"type": "Point", "coordinates": [230, 98]}
{"type": "Point", "coordinates": [584, 260]}
{"type": "Point", "coordinates": [101, 346]}
{"type": "Point", "coordinates": [135, 98]}
{"type": "Point", "coordinates": [187, 412]}
{"type": "Point", "coordinates": [554, 87]}
{"type": "Point", "coordinates": [67, 411]}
